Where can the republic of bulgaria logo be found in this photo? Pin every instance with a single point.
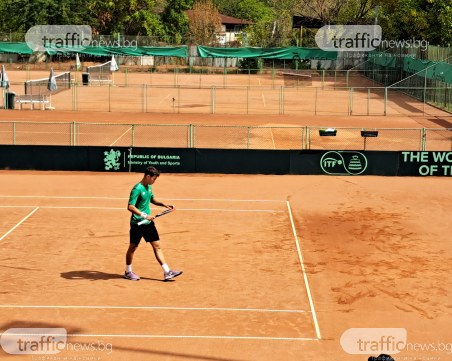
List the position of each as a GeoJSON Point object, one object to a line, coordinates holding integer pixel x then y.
{"type": "Point", "coordinates": [111, 159]}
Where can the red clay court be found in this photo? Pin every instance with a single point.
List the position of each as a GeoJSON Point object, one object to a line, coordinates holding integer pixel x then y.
{"type": "Point", "coordinates": [275, 267]}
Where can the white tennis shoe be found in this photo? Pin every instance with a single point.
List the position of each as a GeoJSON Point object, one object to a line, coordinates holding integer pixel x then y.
{"type": "Point", "coordinates": [171, 274]}
{"type": "Point", "coordinates": [131, 276]}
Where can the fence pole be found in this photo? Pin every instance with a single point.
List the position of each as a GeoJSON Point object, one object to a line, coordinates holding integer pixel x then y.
{"type": "Point", "coordinates": [350, 101]}
{"type": "Point", "coordinates": [71, 133]}
{"type": "Point", "coordinates": [315, 102]}
{"type": "Point", "coordinates": [281, 100]}
{"type": "Point", "coordinates": [248, 138]}
{"type": "Point", "coordinates": [385, 101]}
{"type": "Point", "coordinates": [423, 139]}
{"type": "Point", "coordinates": [109, 97]}
{"type": "Point", "coordinates": [178, 99]}
{"type": "Point", "coordinates": [368, 101]}
{"type": "Point", "coordinates": [133, 135]}
{"type": "Point", "coordinates": [212, 96]}
{"type": "Point", "coordinates": [145, 98]}
{"type": "Point", "coordinates": [190, 136]}
{"type": "Point", "coordinates": [247, 99]}
{"type": "Point", "coordinates": [14, 133]}
{"type": "Point", "coordinates": [425, 92]}
{"type": "Point", "coordinates": [75, 134]}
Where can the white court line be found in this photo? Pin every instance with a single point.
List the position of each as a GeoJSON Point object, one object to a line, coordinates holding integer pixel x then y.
{"type": "Point", "coordinates": [269, 338]}
{"type": "Point", "coordinates": [172, 199]}
{"type": "Point", "coordinates": [155, 209]}
{"type": "Point", "coordinates": [199, 337]}
{"type": "Point", "coordinates": [305, 276]}
{"type": "Point", "coordinates": [160, 308]}
{"type": "Point", "coordinates": [18, 224]}
{"type": "Point", "coordinates": [123, 134]}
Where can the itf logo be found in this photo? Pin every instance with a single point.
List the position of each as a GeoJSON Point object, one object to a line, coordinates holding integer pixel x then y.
{"type": "Point", "coordinates": [343, 163]}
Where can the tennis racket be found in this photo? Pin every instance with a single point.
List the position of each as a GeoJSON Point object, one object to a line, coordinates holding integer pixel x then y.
{"type": "Point", "coordinates": [166, 211]}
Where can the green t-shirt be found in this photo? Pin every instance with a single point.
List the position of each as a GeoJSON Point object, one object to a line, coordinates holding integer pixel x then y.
{"type": "Point", "coordinates": [140, 197]}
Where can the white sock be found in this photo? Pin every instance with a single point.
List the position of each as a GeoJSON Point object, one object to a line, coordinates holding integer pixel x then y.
{"type": "Point", "coordinates": [165, 268]}
{"type": "Point", "coordinates": [128, 268]}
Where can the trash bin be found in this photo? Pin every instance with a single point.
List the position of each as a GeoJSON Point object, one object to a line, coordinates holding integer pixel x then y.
{"type": "Point", "coordinates": [10, 99]}
{"type": "Point", "coordinates": [85, 78]}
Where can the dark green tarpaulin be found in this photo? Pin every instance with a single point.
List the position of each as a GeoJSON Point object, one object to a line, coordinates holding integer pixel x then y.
{"type": "Point", "coordinates": [383, 59]}
{"type": "Point", "coordinates": [267, 53]}
{"type": "Point", "coordinates": [15, 48]}
{"type": "Point", "coordinates": [176, 51]}
{"type": "Point", "coordinates": [430, 69]}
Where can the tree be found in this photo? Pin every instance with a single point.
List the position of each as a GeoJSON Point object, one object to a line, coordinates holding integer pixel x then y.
{"type": "Point", "coordinates": [175, 19]}
{"type": "Point", "coordinates": [429, 20]}
{"type": "Point", "coordinates": [256, 11]}
{"type": "Point", "coordinates": [130, 17]}
{"type": "Point", "coordinates": [204, 22]}
{"type": "Point", "coordinates": [21, 15]}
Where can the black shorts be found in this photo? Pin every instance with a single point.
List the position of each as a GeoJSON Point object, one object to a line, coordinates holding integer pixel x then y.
{"type": "Point", "coordinates": [146, 231]}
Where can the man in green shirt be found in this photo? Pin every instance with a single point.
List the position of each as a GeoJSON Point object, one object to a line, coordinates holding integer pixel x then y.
{"type": "Point", "coordinates": [139, 205]}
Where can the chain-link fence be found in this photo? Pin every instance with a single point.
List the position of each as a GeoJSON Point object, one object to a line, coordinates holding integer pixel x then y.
{"type": "Point", "coordinates": [223, 137]}
{"type": "Point", "coordinates": [241, 100]}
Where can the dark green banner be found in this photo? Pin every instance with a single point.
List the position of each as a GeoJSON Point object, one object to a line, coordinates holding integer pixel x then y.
{"type": "Point", "coordinates": [226, 161]}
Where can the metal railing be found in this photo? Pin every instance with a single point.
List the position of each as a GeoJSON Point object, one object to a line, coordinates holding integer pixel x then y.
{"type": "Point", "coordinates": [222, 137]}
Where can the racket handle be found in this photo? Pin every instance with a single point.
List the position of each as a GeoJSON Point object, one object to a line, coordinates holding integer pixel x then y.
{"type": "Point", "coordinates": [144, 221]}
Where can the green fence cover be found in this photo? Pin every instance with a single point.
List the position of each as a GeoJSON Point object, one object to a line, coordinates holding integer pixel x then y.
{"type": "Point", "coordinates": [15, 48]}
{"type": "Point", "coordinates": [175, 51]}
{"type": "Point", "coordinates": [383, 59]}
{"type": "Point", "coordinates": [267, 53]}
{"type": "Point", "coordinates": [435, 70]}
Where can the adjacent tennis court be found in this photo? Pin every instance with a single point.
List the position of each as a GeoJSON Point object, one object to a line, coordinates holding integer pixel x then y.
{"type": "Point", "coordinates": [275, 267]}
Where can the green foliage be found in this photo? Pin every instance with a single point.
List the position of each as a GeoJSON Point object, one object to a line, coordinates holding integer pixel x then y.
{"type": "Point", "coordinates": [429, 20]}
{"type": "Point", "coordinates": [20, 15]}
{"type": "Point", "coordinates": [250, 65]}
{"type": "Point", "coordinates": [176, 20]}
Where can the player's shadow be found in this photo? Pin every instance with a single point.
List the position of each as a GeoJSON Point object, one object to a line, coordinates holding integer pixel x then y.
{"type": "Point", "coordinates": [97, 275]}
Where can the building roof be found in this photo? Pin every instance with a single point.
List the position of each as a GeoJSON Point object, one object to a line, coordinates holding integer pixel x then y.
{"type": "Point", "coordinates": [234, 21]}
{"type": "Point", "coordinates": [227, 19]}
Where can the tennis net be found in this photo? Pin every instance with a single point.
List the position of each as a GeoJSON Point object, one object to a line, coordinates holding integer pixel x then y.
{"type": "Point", "coordinates": [100, 73]}
{"type": "Point", "coordinates": [41, 86]}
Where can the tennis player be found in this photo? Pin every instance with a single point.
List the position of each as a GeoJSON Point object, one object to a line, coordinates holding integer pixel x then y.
{"type": "Point", "coordinates": [139, 205]}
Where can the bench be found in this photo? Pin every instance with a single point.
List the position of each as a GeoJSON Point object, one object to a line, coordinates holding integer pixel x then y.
{"type": "Point", "coordinates": [32, 100]}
